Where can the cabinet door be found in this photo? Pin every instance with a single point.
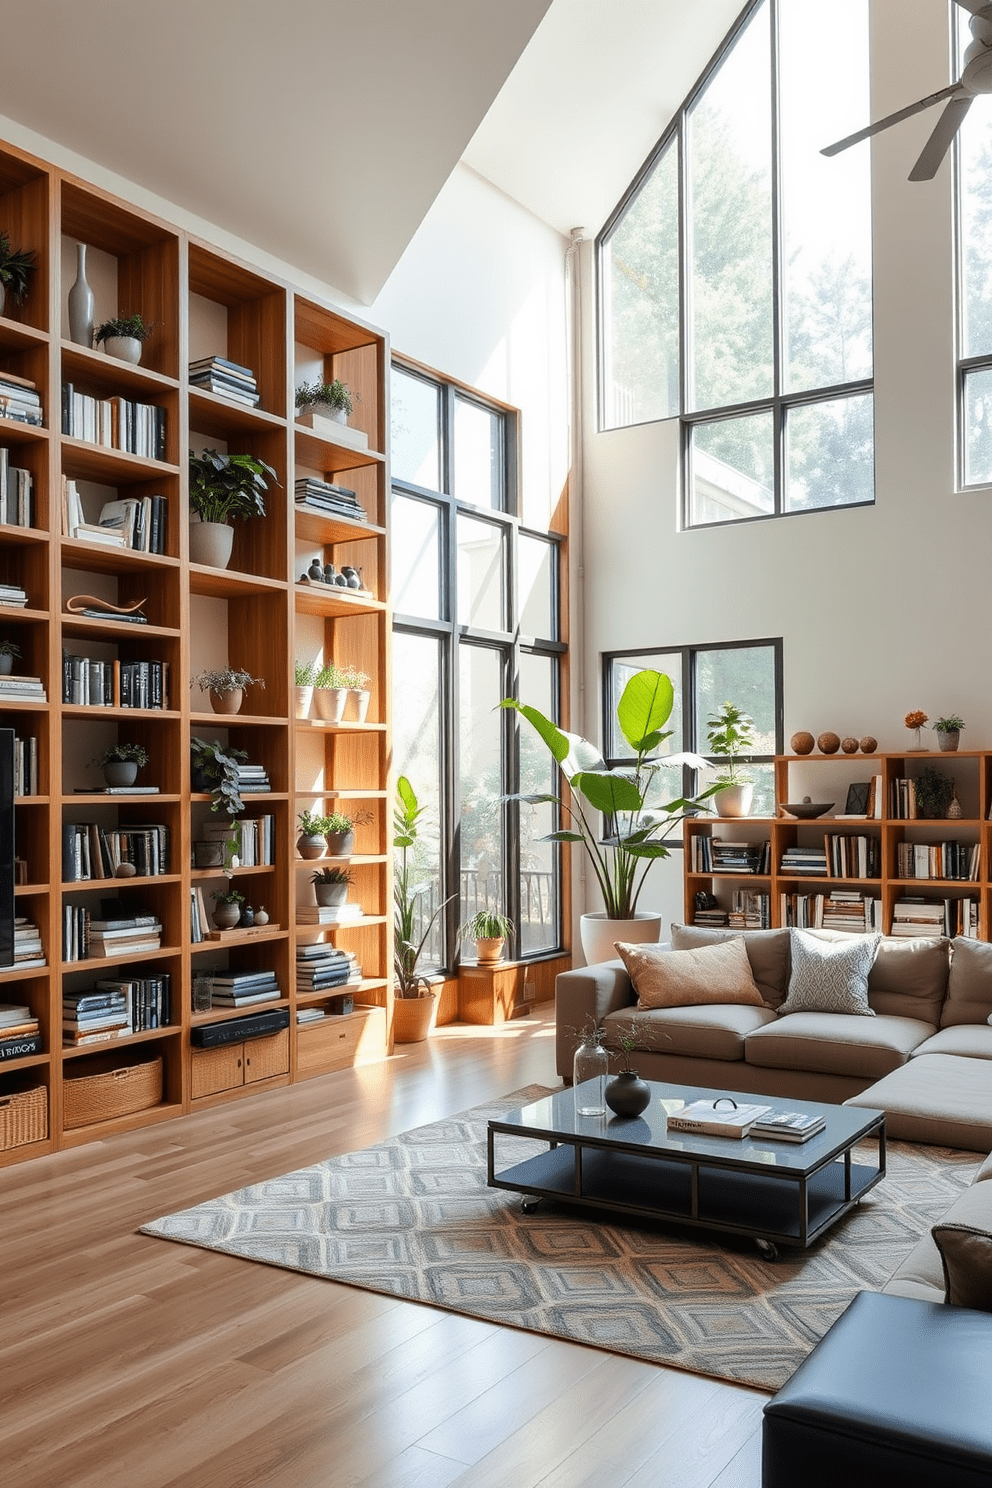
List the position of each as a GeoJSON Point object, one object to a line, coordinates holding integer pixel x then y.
{"type": "Point", "coordinates": [217, 1069]}
{"type": "Point", "coordinates": [265, 1057]}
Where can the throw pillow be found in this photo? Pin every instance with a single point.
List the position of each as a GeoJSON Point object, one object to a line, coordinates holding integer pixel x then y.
{"type": "Point", "coordinates": [969, 986]}
{"type": "Point", "coordinates": [966, 1255]}
{"type": "Point", "coordinates": [830, 976]}
{"type": "Point", "coordinates": [767, 951]}
{"type": "Point", "coordinates": [711, 974]}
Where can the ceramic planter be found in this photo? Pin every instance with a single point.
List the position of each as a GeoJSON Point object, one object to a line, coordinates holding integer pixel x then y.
{"type": "Point", "coordinates": [124, 348]}
{"type": "Point", "coordinates": [310, 847]}
{"type": "Point", "coordinates": [303, 697]}
{"type": "Point", "coordinates": [599, 935]}
{"type": "Point", "coordinates": [948, 738]}
{"type": "Point", "coordinates": [120, 772]}
{"type": "Point", "coordinates": [6, 662]}
{"type": "Point", "coordinates": [211, 543]}
{"type": "Point", "coordinates": [627, 1094]}
{"type": "Point", "coordinates": [488, 951]}
{"type": "Point", "coordinates": [226, 916]}
{"type": "Point", "coordinates": [330, 894]}
{"type": "Point", "coordinates": [227, 702]}
{"type": "Point", "coordinates": [359, 704]}
{"type": "Point", "coordinates": [339, 844]}
{"type": "Point", "coordinates": [413, 1017]}
{"type": "Point", "coordinates": [329, 703]}
{"type": "Point", "coordinates": [733, 800]}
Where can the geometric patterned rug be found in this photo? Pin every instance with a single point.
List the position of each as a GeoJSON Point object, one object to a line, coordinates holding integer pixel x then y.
{"type": "Point", "coordinates": [413, 1217]}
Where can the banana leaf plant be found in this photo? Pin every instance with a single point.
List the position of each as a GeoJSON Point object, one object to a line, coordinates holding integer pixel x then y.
{"type": "Point", "coordinates": [407, 950]}
{"type": "Point", "coordinates": [620, 861]}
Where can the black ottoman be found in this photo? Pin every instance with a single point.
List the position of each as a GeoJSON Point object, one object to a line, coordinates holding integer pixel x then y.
{"type": "Point", "coordinates": [898, 1394]}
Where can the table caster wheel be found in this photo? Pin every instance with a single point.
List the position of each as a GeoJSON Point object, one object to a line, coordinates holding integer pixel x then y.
{"type": "Point", "coordinates": [529, 1206]}
{"type": "Point", "coordinates": [767, 1250]}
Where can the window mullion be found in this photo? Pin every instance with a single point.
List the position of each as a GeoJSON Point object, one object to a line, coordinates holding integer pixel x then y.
{"type": "Point", "coordinates": [778, 309]}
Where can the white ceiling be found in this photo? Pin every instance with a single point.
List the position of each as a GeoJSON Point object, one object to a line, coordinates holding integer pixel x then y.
{"type": "Point", "coordinates": [322, 132]}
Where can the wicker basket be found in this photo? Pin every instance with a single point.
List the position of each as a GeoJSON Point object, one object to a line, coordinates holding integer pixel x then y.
{"type": "Point", "coordinates": [105, 1090]}
{"type": "Point", "coordinates": [23, 1117]}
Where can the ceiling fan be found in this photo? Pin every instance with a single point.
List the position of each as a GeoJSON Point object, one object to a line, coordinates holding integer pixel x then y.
{"type": "Point", "coordinates": [976, 78]}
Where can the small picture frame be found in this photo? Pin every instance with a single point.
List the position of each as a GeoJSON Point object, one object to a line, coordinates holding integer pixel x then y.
{"type": "Point", "coordinates": [857, 799]}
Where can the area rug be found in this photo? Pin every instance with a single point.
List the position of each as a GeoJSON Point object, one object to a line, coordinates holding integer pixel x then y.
{"type": "Point", "coordinates": [413, 1217]}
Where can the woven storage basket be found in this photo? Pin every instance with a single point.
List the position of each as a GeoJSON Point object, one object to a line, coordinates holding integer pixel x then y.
{"type": "Point", "coordinates": [110, 1090]}
{"type": "Point", "coordinates": [23, 1117]}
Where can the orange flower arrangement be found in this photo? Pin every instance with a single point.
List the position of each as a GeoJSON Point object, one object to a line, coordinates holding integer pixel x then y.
{"type": "Point", "coordinates": [916, 719]}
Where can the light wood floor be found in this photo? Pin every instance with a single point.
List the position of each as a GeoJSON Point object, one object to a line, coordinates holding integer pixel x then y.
{"type": "Point", "coordinates": [127, 1360]}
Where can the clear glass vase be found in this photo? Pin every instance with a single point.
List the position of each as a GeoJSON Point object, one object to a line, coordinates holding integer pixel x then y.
{"type": "Point", "coordinates": [589, 1070]}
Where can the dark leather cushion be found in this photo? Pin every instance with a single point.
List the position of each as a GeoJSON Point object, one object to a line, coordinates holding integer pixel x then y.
{"type": "Point", "coordinates": [966, 1254]}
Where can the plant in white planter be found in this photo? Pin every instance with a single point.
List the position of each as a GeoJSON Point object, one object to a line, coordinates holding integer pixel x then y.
{"type": "Point", "coordinates": [304, 677]}
{"type": "Point", "coordinates": [330, 694]}
{"type": "Point", "coordinates": [330, 886]}
{"type": "Point", "coordinates": [731, 735]}
{"type": "Point", "coordinates": [948, 731]}
{"type": "Point", "coordinates": [226, 687]}
{"type": "Point", "coordinates": [311, 842]}
{"type": "Point", "coordinates": [357, 683]}
{"type": "Point", "coordinates": [123, 337]}
{"type": "Point", "coordinates": [9, 650]}
{"type": "Point", "coordinates": [621, 860]}
{"type": "Point", "coordinates": [332, 399]}
{"type": "Point", "coordinates": [121, 762]}
{"type": "Point", "coordinates": [490, 931]}
{"type": "Point", "coordinates": [16, 268]}
{"type": "Point", "coordinates": [223, 489]}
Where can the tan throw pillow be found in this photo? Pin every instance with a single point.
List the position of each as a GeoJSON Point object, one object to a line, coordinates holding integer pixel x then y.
{"type": "Point", "coordinates": [966, 1255]}
{"type": "Point", "coordinates": [711, 974]}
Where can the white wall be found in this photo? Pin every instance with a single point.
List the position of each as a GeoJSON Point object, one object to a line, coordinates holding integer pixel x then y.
{"type": "Point", "coordinates": [881, 609]}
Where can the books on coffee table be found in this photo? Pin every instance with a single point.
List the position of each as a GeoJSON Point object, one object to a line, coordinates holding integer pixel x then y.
{"type": "Point", "coordinates": [788, 1126]}
{"type": "Point", "coordinates": [720, 1118]}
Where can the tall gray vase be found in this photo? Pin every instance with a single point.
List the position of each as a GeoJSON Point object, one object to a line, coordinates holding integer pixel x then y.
{"type": "Point", "coordinates": [81, 302]}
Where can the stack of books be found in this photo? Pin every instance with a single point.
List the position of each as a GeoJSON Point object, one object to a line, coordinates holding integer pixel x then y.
{"type": "Point", "coordinates": [321, 966]}
{"type": "Point", "coordinates": [334, 914]}
{"type": "Point", "coordinates": [227, 379]}
{"type": "Point", "coordinates": [739, 857]}
{"type": "Point", "coordinates": [74, 523]}
{"type": "Point", "coordinates": [16, 493]}
{"type": "Point", "coordinates": [24, 690]}
{"type": "Point", "coordinates": [804, 862]}
{"type": "Point", "coordinates": [253, 778]}
{"type": "Point", "coordinates": [323, 496]}
{"type": "Point", "coordinates": [934, 918]}
{"type": "Point", "coordinates": [239, 989]}
{"type": "Point", "coordinates": [20, 1032]}
{"type": "Point", "coordinates": [114, 423]}
{"type": "Point", "coordinates": [712, 917]}
{"type": "Point", "coordinates": [28, 949]}
{"type": "Point", "coordinates": [717, 1120]}
{"type": "Point", "coordinates": [90, 1016]}
{"type": "Point", "coordinates": [252, 839]}
{"type": "Point", "coordinates": [19, 399]}
{"type": "Point", "coordinates": [13, 595]}
{"type": "Point", "coordinates": [844, 909]}
{"type": "Point", "coordinates": [84, 938]}
{"type": "Point", "coordinates": [787, 1126]}
{"type": "Point", "coordinates": [141, 522]}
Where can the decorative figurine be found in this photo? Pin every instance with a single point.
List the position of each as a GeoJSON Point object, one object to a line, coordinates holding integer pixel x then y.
{"type": "Point", "coordinates": [316, 571]}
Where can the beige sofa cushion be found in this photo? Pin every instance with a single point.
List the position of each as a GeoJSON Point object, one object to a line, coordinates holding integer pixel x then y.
{"type": "Point", "coordinates": [714, 1032]}
{"type": "Point", "coordinates": [836, 1043]}
{"type": "Point", "coordinates": [937, 1098]}
{"type": "Point", "coordinates": [909, 977]}
{"type": "Point", "coordinates": [711, 974]}
{"type": "Point", "coordinates": [767, 951]}
{"type": "Point", "coordinates": [971, 1040]}
{"type": "Point", "coordinates": [969, 986]}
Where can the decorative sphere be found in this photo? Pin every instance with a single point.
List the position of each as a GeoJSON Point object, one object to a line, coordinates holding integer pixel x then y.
{"type": "Point", "coordinates": [262, 916]}
{"type": "Point", "coordinates": [125, 870]}
{"type": "Point", "coordinates": [868, 744]}
{"type": "Point", "coordinates": [828, 743]}
{"type": "Point", "coordinates": [802, 743]}
{"type": "Point", "coordinates": [849, 746]}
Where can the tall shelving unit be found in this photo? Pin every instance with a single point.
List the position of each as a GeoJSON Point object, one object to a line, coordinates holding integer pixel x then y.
{"type": "Point", "coordinates": [254, 615]}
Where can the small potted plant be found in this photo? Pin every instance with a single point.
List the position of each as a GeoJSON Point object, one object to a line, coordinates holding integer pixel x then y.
{"type": "Point", "coordinates": [123, 337]}
{"type": "Point", "coordinates": [330, 886]}
{"type": "Point", "coordinates": [16, 267]}
{"type": "Point", "coordinates": [331, 686]}
{"type": "Point", "coordinates": [934, 793]}
{"type": "Point", "coordinates": [305, 674]}
{"type": "Point", "coordinates": [228, 911]}
{"type": "Point", "coordinates": [489, 931]}
{"type": "Point", "coordinates": [214, 768]}
{"type": "Point", "coordinates": [948, 731]}
{"type": "Point", "coordinates": [357, 684]}
{"type": "Point", "coordinates": [226, 687]}
{"type": "Point", "coordinates": [121, 762]}
{"type": "Point", "coordinates": [8, 651]}
{"type": "Point", "coordinates": [223, 489]}
{"type": "Point", "coordinates": [627, 1095]}
{"type": "Point", "coordinates": [730, 734]}
{"type": "Point", "coordinates": [311, 842]}
{"type": "Point", "coordinates": [340, 833]}
{"type": "Point", "coordinates": [331, 400]}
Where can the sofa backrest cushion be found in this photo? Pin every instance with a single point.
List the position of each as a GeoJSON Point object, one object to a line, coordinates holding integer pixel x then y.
{"type": "Point", "coordinates": [969, 986]}
{"type": "Point", "coordinates": [708, 974]}
{"type": "Point", "coordinates": [767, 951]}
{"type": "Point", "coordinates": [966, 1254]}
{"type": "Point", "coordinates": [909, 978]}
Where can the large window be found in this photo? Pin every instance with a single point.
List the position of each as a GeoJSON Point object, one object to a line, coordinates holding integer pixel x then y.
{"type": "Point", "coordinates": [745, 673]}
{"type": "Point", "coordinates": [974, 177]}
{"type": "Point", "coordinates": [476, 607]}
{"type": "Point", "coordinates": [735, 276]}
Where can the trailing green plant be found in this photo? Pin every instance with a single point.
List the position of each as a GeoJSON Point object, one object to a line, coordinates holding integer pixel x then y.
{"type": "Point", "coordinates": [406, 892]}
{"type": "Point", "coordinates": [330, 676]}
{"type": "Point", "coordinates": [934, 792]}
{"type": "Point", "coordinates": [305, 673]}
{"type": "Point", "coordinates": [487, 924]}
{"type": "Point", "coordinates": [312, 825]}
{"type": "Point", "coordinates": [120, 754]}
{"type": "Point", "coordinates": [332, 876]}
{"type": "Point", "coordinates": [332, 394]}
{"type": "Point", "coordinates": [223, 488]}
{"type": "Point", "coordinates": [227, 679]}
{"type": "Point", "coordinates": [16, 268]}
{"type": "Point", "coordinates": [216, 766]}
{"type": "Point", "coordinates": [637, 834]}
{"type": "Point", "coordinates": [228, 896]}
{"type": "Point", "coordinates": [952, 724]}
{"type": "Point", "coordinates": [731, 734]}
{"type": "Point", "coordinates": [131, 326]}
{"type": "Point", "coordinates": [10, 648]}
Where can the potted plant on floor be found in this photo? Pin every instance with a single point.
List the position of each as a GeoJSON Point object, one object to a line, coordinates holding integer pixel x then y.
{"type": "Point", "coordinates": [490, 931]}
{"type": "Point", "coordinates": [8, 651]}
{"type": "Point", "coordinates": [331, 400]}
{"type": "Point", "coordinates": [226, 687]}
{"type": "Point", "coordinates": [223, 489]}
{"type": "Point", "coordinates": [413, 1010]}
{"type": "Point", "coordinates": [123, 337]}
{"type": "Point", "coordinates": [16, 267]}
{"type": "Point", "coordinates": [121, 762]}
{"type": "Point", "coordinates": [312, 843]}
{"type": "Point", "coordinates": [621, 861]}
{"type": "Point", "coordinates": [948, 731]}
{"type": "Point", "coordinates": [330, 886]}
{"type": "Point", "coordinates": [228, 911]}
{"type": "Point", "coordinates": [731, 734]}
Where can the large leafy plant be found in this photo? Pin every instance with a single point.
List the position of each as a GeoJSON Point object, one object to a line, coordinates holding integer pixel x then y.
{"type": "Point", "coordinates": [622, 859]}
{"type": "Point", "coordinates": [222, 487]}
{"type": "Point", "coordinates": [407, 950]}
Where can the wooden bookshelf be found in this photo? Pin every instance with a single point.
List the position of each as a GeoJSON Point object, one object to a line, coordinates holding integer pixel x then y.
{"type": "Point", "coordinates": [203, 303]}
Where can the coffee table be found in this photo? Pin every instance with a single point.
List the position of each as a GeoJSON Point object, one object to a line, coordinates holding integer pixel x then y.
{"type": "Point", "coordinates": [779, 1193]}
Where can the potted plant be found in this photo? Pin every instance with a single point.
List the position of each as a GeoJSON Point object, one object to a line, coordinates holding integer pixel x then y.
{"type": "Point", "coordinates": [214, 768]}
{"type": "Point", "coordinates": [415, 997]}
{"type": "Point", "coordinates": [331, 693]}
{"type": "Point", "coordinates": [8, 651]}
{"type": "Point", "coordinates": [311, 842]}
{"type": "Point", "coordinates": [357, 683]}
{"type": "Point", "coordinates": [730, 734]}
{"type": "Point", "coordinates": [123, 337]}
{"type": "Point", "coordinates": [621, 861]}
{"type": "Point", "coordinates": [330, 886]}
{"type": "Point", "coordinates": [934, 793]}
{"type": "Point", "coordinates": [16, 267]}
{"type": "Point", "coordinates": [333, 400]}
{"type": "Point", "coordinates": [226, 687]}
{"type": "Point", "coordinates": [222, 489]}
{"type": "Point", "coordinates": [121, 762]}
{"type": "Point", "coordinates": [228, 911]}
{"type": "Point", "coordinates": [305, 674]}
{"type": "Point", "coordinates": [490, 930]}
{"type": "Point", "coordinates": [340, 833]}
{"type": "Point", "coordinates": [627, 1095]}
{"type": "Point", "coordinates": [948, 731]}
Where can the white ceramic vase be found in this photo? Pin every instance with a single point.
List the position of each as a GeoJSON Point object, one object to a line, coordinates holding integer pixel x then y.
{"type": "Point", "coordinates": [599, 934]}
{"type": "Point", "coordinates": [733, 800]}
{"type": "Point", "coordinates": [81, 303]}
{"type": "Point", "coordinates": [124, 348]}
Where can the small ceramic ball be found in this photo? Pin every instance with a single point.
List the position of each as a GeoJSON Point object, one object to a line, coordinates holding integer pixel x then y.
{"type": "Point", "coordinates": [868, 744]}
{"type": "Point", "coordinates": [849, 746]}
{"type": "Point", "coordinates": [802, 743]}
{"type": "Point", "coordinates": [828, 743]}
{"type": "Point", "coordinates": [125, 870]}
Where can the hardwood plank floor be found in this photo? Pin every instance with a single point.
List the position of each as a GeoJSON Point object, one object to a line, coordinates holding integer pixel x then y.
{"type": "Point", "coordinates": [129, 1362]}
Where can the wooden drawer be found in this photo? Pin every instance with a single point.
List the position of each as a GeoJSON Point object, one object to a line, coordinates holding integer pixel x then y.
{"type": "Point", "coordinates": [337, 1043]}
{"type": "Point", "coordinates": [265, 1057]}
{"type": "Point", "coordinates": [232, 1065]}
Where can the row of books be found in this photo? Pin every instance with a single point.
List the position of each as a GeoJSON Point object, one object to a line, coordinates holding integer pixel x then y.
{"type": "Point", "coordinates": [20, 1031]}
{"type": "Point", "coordinates": [20, 399]}
{"type": "Point", "coordinates": [903, 802]}
{"type": "Point", "coordinates": [934, 918]}
{"type": "Point", "coordinates": [322, 966]}
{"type": "Point", "coordinates": [937, 860]}
{"type": "Point", "coordinates": [114, 423]}
{"type": "Point", "coordinates": [14, 595]}
{"type": "Point", "coordinates": [328, 498]}
{"type": "Point", "coordinates": [85, 938]}
{"type": "Point", "coordinates": [16, 493]}
{"type": "Point", "coordinates": [90, 851]}
{"type": "Point", "coordinates": [114, 1009]}
{"type": "Point", "coordinates": [26, 762]}
{"type": "Point", "coordinates": [842, 909]}
{"type": "Point", "coordinates": [721, 1118]}
{"type": "Point", "coordinates": [749, 911]}
{"type": "Point", "coordinates": [28, 949]}
{"type": "Point", "coordinates": [136, 522]}
{"type": "Point", "coordinates": [852, 855]}
{"type": "Point", "coordinates": [720, 855]}
{"type": "Point", "coordinates": [333, 914]}
{"type": "Point", "coordinates": [253, 778]}
{"type": "Point", "coordinates": [226, 379]}
{"type": "Point", "coordinates": [252, 839]}
{"type": "Point", "coordinates": [15, 689]}
{"type": "Point", "coordinates": [114, 684]}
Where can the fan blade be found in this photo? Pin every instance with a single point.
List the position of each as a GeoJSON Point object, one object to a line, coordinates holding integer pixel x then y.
{"type": "Point", "coordinates": [939, 142]}
{"type": "Point", "coordinates": [880, 124]}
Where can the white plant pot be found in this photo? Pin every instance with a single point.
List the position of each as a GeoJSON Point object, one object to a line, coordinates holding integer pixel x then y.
{"type": "Point", "coordinates": [360, 704]}
{"type": "Point", "coordinates": [329, 703]}
{"type": "Point", "coordinates": [210, 543]}
{"type": "Point", "coordinates": [303, 699]}
{"type": "Point", "coordinates": [599, 934]}
{"type": "Point", "coordinates": [124, 348]}
{"type": "Point", "coordinates": [733, 800]}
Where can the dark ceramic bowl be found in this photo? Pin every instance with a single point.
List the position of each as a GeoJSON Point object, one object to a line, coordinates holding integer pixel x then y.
{"type": "Point", "coordinates": [807, 810]}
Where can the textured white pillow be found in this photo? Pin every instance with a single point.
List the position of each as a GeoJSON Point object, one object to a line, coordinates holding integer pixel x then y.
{"type": "Point", "coordinates": [830, 976]}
